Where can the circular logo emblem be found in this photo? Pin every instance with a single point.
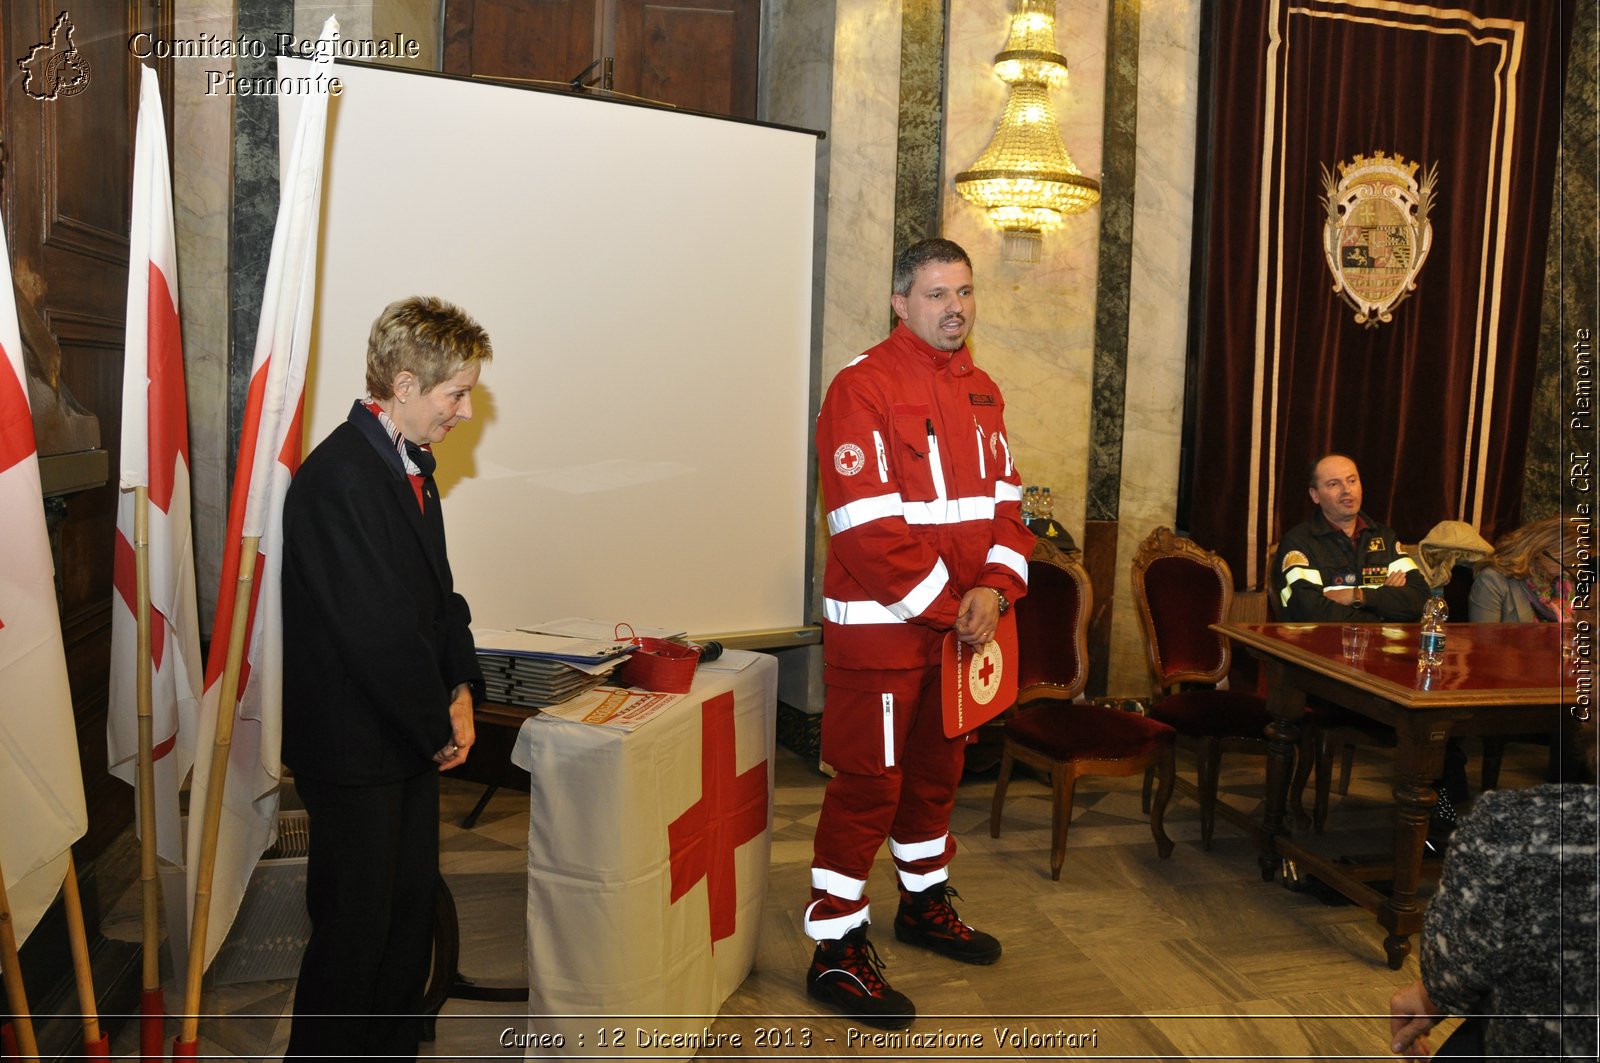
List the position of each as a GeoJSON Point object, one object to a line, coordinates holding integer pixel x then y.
{"type": "Point", "coordinates": [983, 674]}
{"type": "Point", "coordinates": [849, 459]}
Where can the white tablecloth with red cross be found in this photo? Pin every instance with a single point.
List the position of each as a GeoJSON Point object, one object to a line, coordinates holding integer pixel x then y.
{"type": "Point", "coordinates": [647, 866]}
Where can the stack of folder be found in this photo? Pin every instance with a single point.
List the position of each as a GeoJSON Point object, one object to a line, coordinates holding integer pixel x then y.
{"type": "Point", "coordinates": [533, 670]}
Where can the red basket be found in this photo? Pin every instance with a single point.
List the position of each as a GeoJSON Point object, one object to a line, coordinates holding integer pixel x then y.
{"type": "Point", "coordinates": [657, 664]}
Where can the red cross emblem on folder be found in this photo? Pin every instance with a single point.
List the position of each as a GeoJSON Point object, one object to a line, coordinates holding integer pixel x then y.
{"type": "Point", "coordinates": [979, 683]}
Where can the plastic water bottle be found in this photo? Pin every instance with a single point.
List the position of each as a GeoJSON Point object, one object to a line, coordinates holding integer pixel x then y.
{"type": "Point", "coordinates": [1045, 509]}
{"type": "Point", "coordinates": [1434, 614]}
{"type": "Point", "coordinates": [1030, 504]}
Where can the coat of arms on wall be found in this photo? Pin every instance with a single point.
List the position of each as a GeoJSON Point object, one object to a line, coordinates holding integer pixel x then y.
{"type": "Point", "coordinates": [1377, 234]}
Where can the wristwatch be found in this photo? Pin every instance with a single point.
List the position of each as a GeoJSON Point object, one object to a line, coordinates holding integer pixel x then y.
{"type": "Point", "coordinates": [1002, 601]}
{"type": "Point", "coordinates": [1359, 598]}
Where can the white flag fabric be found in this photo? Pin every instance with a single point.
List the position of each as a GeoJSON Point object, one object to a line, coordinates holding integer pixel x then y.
{"type": "Point", "coordinates": [155, 455]}
{"type": "Point", "coordinates": [269, 456]}
{"type": "Point", "coordinates": [42, 810]}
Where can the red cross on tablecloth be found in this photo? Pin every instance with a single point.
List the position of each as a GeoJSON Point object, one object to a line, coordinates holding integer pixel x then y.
{"type": "Point", "coordinates": [732, 809]}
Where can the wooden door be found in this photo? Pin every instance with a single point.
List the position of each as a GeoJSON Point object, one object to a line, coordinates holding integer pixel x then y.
{"type": "Point", "coordinates": [69, 104]}
{"type": "Point", "coordinates": [547, 40]}
{"type": "Point", "coordinates": [697, 54]}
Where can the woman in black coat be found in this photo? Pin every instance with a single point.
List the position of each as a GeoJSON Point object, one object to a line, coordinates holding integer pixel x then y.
{"type": "Point", "coordinates": [380, 676]}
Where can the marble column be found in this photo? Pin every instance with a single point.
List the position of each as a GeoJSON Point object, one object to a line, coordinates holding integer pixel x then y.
{"type": "Point", "coordinates": [255, 202]}
{"type": "Point", "coordinates": [1569, 288]}
{"type": "Point", "coordinates": [917, 177]}
{"type": "Point", "coordinates": [1101, 558]}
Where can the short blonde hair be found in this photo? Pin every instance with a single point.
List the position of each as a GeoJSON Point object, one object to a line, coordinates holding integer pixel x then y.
{"type": "Point", "coordinates": [432, 339]}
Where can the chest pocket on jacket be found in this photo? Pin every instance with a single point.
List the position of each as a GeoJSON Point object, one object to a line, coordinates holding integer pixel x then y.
{"type": "Point", "coordinates": [915, 453]}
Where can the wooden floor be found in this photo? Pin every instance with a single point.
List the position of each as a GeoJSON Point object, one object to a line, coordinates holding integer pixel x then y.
{"type": "Point", "coordinates": [1128, 956]}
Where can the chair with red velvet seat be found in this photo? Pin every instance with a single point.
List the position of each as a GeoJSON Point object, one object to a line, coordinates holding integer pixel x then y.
{"type": "Point", "coordinates": [1053, 734]}
{"type": "Point", "coordinates": [1180, 589]}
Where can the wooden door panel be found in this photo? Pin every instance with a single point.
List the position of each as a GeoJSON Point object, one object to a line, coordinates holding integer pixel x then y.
{"type": "Point", "coordinates": [547, 40]}
{"type": "Point", "coordinates": [697, 54]}
{"type": "Point", "coordinates": [88, 182]}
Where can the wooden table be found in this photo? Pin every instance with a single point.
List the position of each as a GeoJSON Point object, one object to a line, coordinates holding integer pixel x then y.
{"type": "Point", "coordinates": [1496, 679]}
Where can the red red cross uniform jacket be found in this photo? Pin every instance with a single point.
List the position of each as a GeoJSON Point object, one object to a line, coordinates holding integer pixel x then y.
{"type": "Point", "coordinates": [924, 502]}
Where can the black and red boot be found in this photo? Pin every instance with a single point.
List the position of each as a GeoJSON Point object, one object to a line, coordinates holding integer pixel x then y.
{"type": "Point", "coordinates": [848, 974]}
{"type": "Point", "coordinates": [928, 919]}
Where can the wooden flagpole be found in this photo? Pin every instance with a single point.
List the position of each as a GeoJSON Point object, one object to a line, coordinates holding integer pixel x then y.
{"type": "Point", "coordinates": [96, 1045]}
{"type": "Point", "coordinates": [16, 995]}
{"type": "Point", "coordinates": [186, 1043]}
{"type": "Point", "coordinates": [152, 1005]}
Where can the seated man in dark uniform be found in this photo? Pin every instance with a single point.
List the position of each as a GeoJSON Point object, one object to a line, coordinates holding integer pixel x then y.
{"type": "Point", "coordinates": [1342, 566]}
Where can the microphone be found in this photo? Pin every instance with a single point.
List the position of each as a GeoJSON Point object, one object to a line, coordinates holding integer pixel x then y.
{"type": "Point", "coordinates": [710, 650]}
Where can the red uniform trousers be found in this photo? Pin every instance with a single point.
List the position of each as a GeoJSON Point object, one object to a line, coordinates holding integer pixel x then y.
{"type": "Point", "coordinates": [896, 779]}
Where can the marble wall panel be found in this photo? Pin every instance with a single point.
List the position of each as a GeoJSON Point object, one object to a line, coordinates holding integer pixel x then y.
{"type": "Point", "coordinates": [201, 192]}
{"type": "Point", "coordinates": [355, 18]}
{"type": "Point", "coordinates": [1168, 74]}
{"type": "Point", "coordinates": [796, 88]}
{"type": "Point", "coordinates": [1035, 330]}
{"type": "Point", "coordinates": [863, 137]}
{"type": "Point", "coordinates": [796, 79]}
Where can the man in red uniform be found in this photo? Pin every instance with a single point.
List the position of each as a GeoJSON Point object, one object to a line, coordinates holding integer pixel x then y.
{"type": "Point", "coordinates": [924, 513]}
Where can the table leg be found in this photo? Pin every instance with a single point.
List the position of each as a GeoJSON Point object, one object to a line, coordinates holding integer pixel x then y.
{"type": "Point", "coordinates": [1419, 758]}
{"type": "Point", "coordinates": [1287, 705]}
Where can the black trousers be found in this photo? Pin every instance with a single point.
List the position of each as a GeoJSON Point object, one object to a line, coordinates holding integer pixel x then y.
{"type": "Point", "coordinates": [370, 886]}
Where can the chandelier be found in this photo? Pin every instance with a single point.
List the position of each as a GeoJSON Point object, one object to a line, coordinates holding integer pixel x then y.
{"type": "Point", "coordinates": [1025, 180]}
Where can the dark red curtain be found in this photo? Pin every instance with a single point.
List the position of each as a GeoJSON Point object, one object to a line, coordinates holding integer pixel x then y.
{"type": "Point", "coordinates": [1434, 404]}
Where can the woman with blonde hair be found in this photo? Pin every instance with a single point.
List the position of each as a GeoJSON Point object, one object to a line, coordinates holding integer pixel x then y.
{"type": "Point", "coordinates": [1527, 578]}
{"type": "Point", "coordinates": [379, 679]}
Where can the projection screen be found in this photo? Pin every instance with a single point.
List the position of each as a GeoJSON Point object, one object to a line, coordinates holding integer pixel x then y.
{"type": "Point", "coordinates": [639, 449]}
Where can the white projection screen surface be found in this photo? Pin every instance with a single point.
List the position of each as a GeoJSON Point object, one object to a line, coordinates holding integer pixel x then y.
{"type": "Point", "coordinates": [639, 447]}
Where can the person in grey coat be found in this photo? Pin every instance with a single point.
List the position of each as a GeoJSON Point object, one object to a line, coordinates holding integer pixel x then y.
{"type": "Point", "coordinates": [1527, 580]}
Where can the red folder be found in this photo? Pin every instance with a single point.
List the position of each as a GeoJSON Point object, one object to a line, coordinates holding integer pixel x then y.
{"type": "Point", "coordinates": [979, 683]}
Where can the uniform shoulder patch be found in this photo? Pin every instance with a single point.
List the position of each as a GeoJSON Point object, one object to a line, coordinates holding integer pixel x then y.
{"type": "Point", "coordinates": [1295, 559]}
{"type": "Point", "coordinates": [849, 459]}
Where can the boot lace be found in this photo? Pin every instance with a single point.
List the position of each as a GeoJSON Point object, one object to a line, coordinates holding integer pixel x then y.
{"type": "Point", "coordinates": [861, 961]}
{"type": "Point", "coordinates": [941, 914]}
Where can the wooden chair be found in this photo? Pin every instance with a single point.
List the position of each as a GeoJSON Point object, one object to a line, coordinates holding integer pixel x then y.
{"type": "Point", "coordinates": [1052, 733]}
{"type": "Point", "coordinates": [1180, 589]}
